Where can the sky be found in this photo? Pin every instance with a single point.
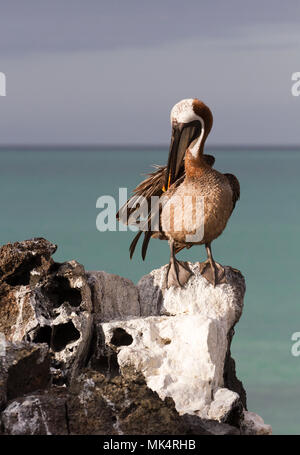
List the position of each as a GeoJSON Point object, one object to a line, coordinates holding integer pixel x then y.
{"type": "Point", "coordinates": [109, 72]}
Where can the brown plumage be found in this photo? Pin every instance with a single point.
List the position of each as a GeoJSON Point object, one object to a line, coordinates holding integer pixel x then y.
{"type": "Point", "coordinates": [189, 173]}
{"type": "Point", "coordinates": [153, 186]}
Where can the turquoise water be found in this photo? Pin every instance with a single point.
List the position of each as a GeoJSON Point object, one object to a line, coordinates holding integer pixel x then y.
{"type": "Point", "coordinates": [53, 193]}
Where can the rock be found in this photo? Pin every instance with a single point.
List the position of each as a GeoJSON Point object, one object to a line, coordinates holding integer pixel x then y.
{"type": "Point", "coordinates": [223, 301]}
{"type": "Point", "coordinates": [19, 259]}
{"type": "Point", "coordinates": [88, 410]}
{"type": "Point", "coordinates": [19, 262]}
{"type": "Point", "coordinates": [3, 372]}
{"type": "Point", "coordinates": [197, 319]}
{"type": "Point", "coordinates": [208, 427]}
{"type": "Point", "coordinates": [95, 405]}
{"type": "Point", "coordinates": [24, 368]}
{"type": "Point", "coordinates": [65, 297]}
{"type": "Point", "coordinates": [226, 407]}
{"type": "Point", "coordinates": [46, 302]}
{"type": "Point", "coordinates": [39, 414]}
{"type": "Point", "coordinates": [122, 405]}
{"type": "Point", "coordinates": [253, 424]}
{"type": "Point", "coordinates": [91, 353]}
{"type": "Point", "coordinates": [230, 379]}
{"type": "Point", "coordinates": [113, 297]}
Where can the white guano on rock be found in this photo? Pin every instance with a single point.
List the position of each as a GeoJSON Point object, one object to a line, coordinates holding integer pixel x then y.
{"type": "Point", "coordinates": [180, 345]}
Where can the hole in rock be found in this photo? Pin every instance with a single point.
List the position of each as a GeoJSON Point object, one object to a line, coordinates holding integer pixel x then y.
{"type": "Point", "coordinates": [121, 337]}
{"type": "Point", "coordinates": [43, 335]}
{"type": "Point", "coordinates": [63, 334]}
{"type": "Point", "coordinates": [59, 291]}
{"type": "Point", "coordinates": [21, 276]}
{"type": "Point", "coordinates": [59, 381]}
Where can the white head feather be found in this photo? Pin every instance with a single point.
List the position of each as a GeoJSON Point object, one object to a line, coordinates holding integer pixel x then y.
{"type": "Point", "coordinates": [183, 112]}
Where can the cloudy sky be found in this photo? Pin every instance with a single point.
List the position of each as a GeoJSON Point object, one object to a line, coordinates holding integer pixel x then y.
{"type": "Point", "coordinates": [108, 72]}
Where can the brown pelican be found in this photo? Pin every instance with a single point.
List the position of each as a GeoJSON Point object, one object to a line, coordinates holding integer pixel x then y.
{"type": "Point", "coordinates": [188, 175]}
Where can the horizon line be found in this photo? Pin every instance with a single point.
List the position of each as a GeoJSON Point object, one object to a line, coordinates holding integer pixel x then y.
{"type": "Point", "coordinates": [138, 146]}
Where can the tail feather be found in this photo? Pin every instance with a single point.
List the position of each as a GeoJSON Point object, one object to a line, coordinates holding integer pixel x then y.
{"type": "Point", "coordinates": [134, 243]}
{"type": "Point", "coordinates": [146, 243]}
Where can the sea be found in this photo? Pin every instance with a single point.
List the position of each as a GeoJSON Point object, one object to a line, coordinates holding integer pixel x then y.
{"type": "Point", "coordinates": [54, 193]}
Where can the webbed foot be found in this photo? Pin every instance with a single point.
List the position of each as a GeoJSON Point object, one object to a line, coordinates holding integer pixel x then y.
{"type": "Point", "coordinates": [213, 272]}
{"type": "Point", "coordinates": [178, 273]}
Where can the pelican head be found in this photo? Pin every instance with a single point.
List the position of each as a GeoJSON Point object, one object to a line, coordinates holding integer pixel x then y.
{"type": "Point", "coordinates": [191, 122]}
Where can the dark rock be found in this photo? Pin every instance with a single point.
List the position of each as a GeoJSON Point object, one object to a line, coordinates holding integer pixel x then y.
{"type": "Point", "coordinates": [24, 369]}
{"type": "Point", "coordinates": [208, 427]}
{"type": "Point", "coordinates": [38, 414]}
{"type": "Point", "coordinates": [230, 378]}
{"type": "Point", "coordinates": [121, 405]}
{"type": "Point", "coordinates": [18, 259]}
{"type": "Point", "coordinates": [94, 405]}
{"type": "Point", "coordinates": [136, 408]}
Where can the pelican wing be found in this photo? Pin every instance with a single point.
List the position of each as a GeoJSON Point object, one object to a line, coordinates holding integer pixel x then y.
{"type": "Point", "coordinates": [235, 186]}
{"type": "Point", "coordinates": [151, 186]}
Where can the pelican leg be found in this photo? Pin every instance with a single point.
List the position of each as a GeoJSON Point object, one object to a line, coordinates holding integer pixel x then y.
{"type": "Point", "coordinates": [211, 270]}
{"type": "Point", "coordinates": [178, 272]}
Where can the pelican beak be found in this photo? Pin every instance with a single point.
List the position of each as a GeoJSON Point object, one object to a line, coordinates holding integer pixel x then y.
{"type": "Point", "coordinates": [173, 156]}
{"type": "Point", "coordinates": [183, 134]}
